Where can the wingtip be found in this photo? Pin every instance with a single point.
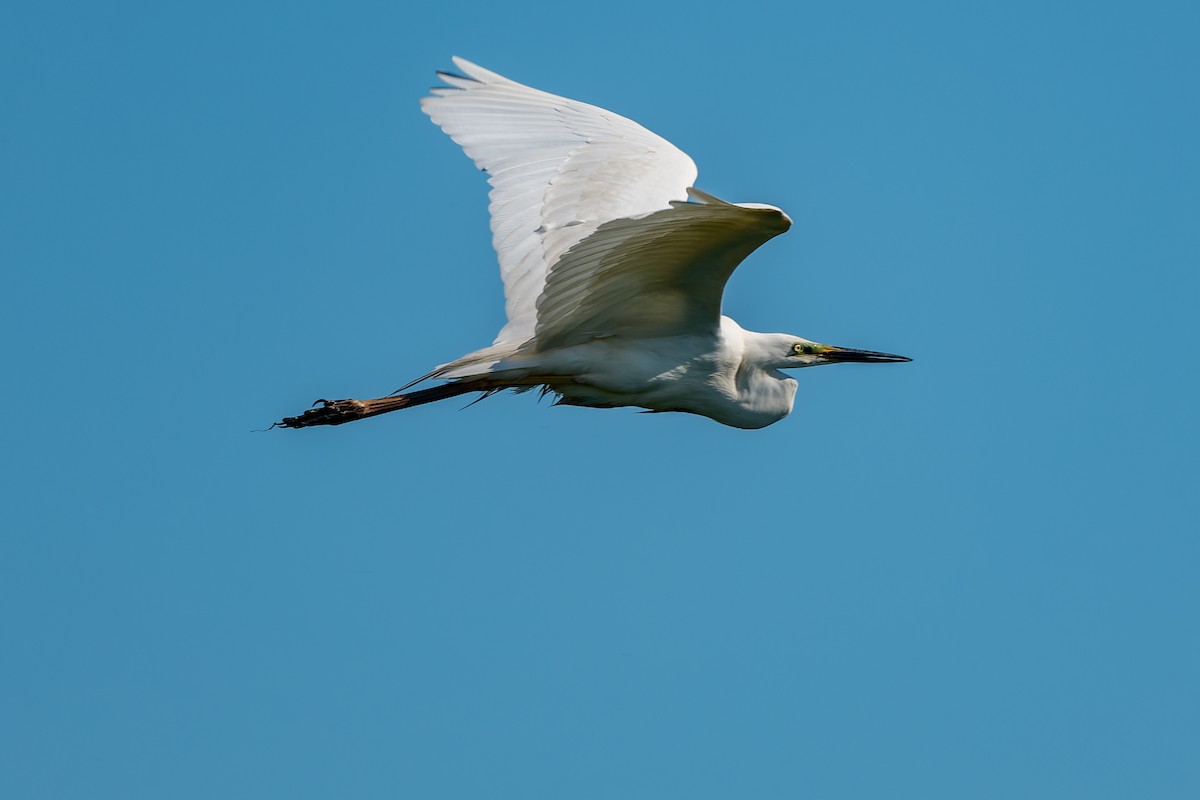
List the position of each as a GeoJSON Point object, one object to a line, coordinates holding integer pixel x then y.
{"type": "Point", "coordinates": [704, 198]}
{"type": "Point", "coordinates": [478, 74]}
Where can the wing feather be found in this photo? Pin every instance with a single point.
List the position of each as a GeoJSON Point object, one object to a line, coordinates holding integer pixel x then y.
{"type": "Point", "coordinates": [559, 169]}
{"type": "Point", "coordinates": [661, 274]}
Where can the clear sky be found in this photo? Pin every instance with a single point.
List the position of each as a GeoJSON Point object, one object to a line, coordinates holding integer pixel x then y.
{"type": "Point", "coordinates": [971, 576]}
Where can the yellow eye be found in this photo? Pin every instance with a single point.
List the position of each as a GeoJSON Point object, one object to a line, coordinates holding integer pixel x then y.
{"type": "Point", "coordinates": [802, 349]}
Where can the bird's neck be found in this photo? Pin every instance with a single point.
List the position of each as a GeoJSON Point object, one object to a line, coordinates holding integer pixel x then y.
{"type": "Point", "coordinates": [762, 391]}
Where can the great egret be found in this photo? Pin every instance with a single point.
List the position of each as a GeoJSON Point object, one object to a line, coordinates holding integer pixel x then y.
{"type": "Point", "coordinates": [612, 279]}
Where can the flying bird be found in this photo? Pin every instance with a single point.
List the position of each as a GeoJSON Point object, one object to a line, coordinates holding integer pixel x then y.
{"type": "Point", "coordinates": [613, 266]}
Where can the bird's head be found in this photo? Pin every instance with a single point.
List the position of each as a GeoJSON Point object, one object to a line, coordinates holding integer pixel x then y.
{"type": "Point", "coordinates": [792, 352]}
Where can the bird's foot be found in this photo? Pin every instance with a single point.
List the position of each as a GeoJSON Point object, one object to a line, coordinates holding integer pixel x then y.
{"type": "Point", "coordinates": [331, 412]}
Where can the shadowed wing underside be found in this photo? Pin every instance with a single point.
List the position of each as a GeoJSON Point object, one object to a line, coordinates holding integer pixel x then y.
{"type": "Point", "coordinates": [658, 275]}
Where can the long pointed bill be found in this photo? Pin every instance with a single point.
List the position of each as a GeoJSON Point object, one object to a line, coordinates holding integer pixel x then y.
{"type": "Point", "coordinates": [839, 354]}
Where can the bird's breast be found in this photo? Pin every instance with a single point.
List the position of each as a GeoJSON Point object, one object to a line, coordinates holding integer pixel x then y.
{"type": "Point", "coordinates": [690, 374]}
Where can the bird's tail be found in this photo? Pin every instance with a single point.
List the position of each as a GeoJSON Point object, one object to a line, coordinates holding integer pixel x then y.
{"type": "Point", "coordinates": [335, 412]}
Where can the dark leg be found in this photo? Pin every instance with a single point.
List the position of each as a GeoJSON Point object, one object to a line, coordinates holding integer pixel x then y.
{"type": "Point", "coordinates": [336, 412]}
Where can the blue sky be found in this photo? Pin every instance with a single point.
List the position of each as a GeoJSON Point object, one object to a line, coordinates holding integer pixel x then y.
{"type": "Point", "coordinates": [969, 576]}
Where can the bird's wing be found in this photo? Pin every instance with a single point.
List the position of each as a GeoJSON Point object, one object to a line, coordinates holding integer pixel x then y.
{"type": "Point", "coordinates": [657, 275]}
{"type": "Point", "coordinates": [559, 170]}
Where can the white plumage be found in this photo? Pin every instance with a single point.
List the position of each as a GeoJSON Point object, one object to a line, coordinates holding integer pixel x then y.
{"type": "Point", "coordinates": [613, 266]}
{"type": "Point", "coordinates": [558, 168]}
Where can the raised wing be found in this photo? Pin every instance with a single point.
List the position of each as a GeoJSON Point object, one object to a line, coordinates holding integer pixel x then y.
{"type": "Point", "coordinates": [658, 275]}
{"type": "Point", "coordinates": [559, 171]}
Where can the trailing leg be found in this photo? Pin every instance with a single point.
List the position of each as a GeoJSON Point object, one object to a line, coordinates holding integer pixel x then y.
{"type": "Point", "coordinates": [336, 412]}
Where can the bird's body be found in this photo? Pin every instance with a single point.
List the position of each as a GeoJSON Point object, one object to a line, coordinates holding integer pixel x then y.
{"type": "Point", "coordinates": [613, 279]}
{"type": "Point", "coordinates": [714, 375]}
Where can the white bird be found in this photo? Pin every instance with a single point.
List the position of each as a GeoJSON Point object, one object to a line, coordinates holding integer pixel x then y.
{"type": "Point", "coordinates": [612, 278]}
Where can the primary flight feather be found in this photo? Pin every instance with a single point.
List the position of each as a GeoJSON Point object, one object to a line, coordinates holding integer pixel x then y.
{"type": "Point", "coordinates": [613, 266]}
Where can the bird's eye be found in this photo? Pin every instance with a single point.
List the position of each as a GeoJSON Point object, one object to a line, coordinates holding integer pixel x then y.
{"type": "Point", "coordinates": [802, 349]}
